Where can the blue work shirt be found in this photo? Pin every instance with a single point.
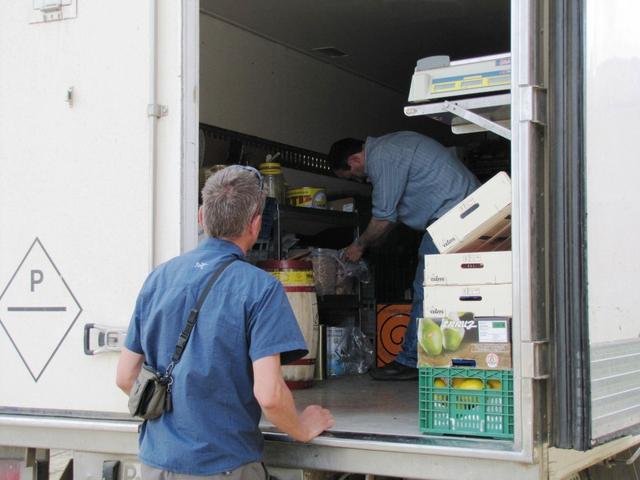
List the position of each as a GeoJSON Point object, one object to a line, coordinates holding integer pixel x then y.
{"type": "Point", "coordinates": [415, 179]}
{"type": "Point", "coordinates": [214, 423]}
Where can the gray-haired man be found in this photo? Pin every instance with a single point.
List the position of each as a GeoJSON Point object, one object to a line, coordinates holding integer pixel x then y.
{"type": "Point", "coordinates": [230, 369]}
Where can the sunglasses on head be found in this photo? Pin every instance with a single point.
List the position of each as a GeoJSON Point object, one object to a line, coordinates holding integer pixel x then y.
{"type": "Point", "coordinates": [256, 173]}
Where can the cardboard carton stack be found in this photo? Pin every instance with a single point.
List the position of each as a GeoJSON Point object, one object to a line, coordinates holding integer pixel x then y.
{"type": "Point", "coordinates": [467, 287]}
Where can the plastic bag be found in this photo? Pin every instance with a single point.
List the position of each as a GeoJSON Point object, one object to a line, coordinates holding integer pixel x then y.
{"type": "Point", "coordinates": [358, 270]}
{"type": "Point", "coordinates": [355, 352]}
{"type": "Point", "coordinates": [349, 274]}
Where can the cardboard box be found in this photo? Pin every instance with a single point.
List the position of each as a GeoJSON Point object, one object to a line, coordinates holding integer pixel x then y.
{"type": "Point", "coordinates": [481, 300]}
{"type": "Point", "coordinates": [465, 340]}
{"type": "Point", "coordinates": [480, 268]}
{"type": "Point", "coordinates": [391, 324]}
{"type": "Point", "coordinates": [342, 204]}
{"type": "Point", "coordinates": [480, 220]}
{"type": "Point", "coordinates": [496, 239]}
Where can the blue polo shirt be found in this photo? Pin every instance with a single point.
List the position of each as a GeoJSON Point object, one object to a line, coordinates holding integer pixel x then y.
{"type": "Point", "coordinates": [214, 423]}
{"type": "Point", "coordinates": [415, 179]}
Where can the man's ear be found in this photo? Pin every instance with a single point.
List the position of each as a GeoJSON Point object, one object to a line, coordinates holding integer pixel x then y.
{"type": "Point", "coordinates": [256, 225]}
{"type": "Point", "coordinates": [355, 160]}
{"type": "Point", "coordinates": [201, 216]}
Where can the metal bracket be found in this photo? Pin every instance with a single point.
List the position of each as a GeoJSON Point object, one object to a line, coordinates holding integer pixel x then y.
{"type": "Point", "coordinates": [476, 119]}
{"type": "Point", "coordinates": [533, 105]}
{"type": "Point", "coordinates": [156, 110]}
{"type": "Point", "coordinates": [105, 338]}
{"type": "Point", "coordinates": [535, 360]}
{"type": "Point", "coordinates": [52, 10]}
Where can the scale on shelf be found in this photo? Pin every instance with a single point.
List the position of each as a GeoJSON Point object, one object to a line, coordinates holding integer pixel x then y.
{"type": "Point", "coordinates": [481, 88]}
{"type": "Point", "coordinates": [438, 77]}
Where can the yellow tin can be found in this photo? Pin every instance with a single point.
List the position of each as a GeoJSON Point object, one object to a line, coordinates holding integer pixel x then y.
{"type": "Point", "coordinates": [309, 197]}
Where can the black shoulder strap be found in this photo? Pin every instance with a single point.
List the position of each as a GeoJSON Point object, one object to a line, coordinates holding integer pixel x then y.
{"type": "Point", "coordinates": [193, 315]}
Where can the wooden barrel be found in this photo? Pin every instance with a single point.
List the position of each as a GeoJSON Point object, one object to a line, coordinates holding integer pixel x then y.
{"type": "Point", "coordinates": [297, 278]}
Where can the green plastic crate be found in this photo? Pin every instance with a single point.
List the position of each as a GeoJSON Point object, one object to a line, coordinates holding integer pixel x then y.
{"type": "Point", "coordinates": [445, 410]}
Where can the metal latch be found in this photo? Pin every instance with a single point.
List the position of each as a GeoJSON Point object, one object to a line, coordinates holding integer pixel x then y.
{"type": "Point", "coordinates": [102, 338]}
{"type": "Point", "coordinates": [535, 360]}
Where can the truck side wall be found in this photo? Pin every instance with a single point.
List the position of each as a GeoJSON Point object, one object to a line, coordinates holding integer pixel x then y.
{"type": "Point", "coordinates": [612, 169]}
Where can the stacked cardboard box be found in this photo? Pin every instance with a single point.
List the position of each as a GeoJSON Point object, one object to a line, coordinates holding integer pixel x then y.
{"type": "Point", "coordinates": [467, 310]}
{"type": "Point", "coordinates": [480, 223]}
{"type": "Point", "coordinates": [477, 282]}
{"type": "Point", "coordinates": [467, 295]}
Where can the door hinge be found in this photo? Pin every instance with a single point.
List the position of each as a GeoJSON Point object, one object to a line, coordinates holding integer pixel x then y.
{"type": "Point", "coordinates": [533, 104]}
{"type": "Point", "coordinates": [156, 110]}
{"type": "Point", "coordinates": [535, 359]}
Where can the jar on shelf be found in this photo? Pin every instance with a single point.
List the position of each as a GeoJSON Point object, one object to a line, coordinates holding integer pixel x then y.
{"type": "Point", "coordinates": [274, 185]}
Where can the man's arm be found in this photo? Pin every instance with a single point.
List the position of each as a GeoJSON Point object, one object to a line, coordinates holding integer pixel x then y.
{"type": "Point", "coordinates": [376, 230]}
{"type": "Point", "coordinates": [278, 405]}
{"type": "Point", "coordinates": [129, 365]}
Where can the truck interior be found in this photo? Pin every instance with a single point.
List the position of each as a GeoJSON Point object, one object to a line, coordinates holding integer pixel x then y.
{"type": "Point", "coordinates": [290, 77]}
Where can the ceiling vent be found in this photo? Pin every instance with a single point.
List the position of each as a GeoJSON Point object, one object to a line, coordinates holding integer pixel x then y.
{"type": "Point", "coordinates": [330, 52]}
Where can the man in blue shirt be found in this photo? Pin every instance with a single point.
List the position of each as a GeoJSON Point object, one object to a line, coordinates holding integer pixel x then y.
{"type": "Point", "coordinates": [415, 181]}
{"type": "Point", "coordinates": [230, 369]}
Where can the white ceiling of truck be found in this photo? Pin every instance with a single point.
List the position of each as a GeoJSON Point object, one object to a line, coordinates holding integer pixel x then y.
{"type": "Point", "coordinates": [382, 39]}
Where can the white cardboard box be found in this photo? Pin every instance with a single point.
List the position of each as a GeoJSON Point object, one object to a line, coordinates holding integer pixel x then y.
{"type": "Point", "coordinates": [479, 268]}
{"type": "Point", "coordinates": [481, 300]}
{"type": "Point", "coordinates": [483, 216]}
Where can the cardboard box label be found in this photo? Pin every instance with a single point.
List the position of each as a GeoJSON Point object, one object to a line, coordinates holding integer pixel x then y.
{"type": "Point", "coordinates": [480, 268]}
{"type": "Point", "coordinates": [481, 300]}
{"type": "Point", "coordinates": [492, 331]}
{"type": "Point", "coordinates": [462, 339]}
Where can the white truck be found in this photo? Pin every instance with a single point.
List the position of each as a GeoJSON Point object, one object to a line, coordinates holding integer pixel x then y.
{"type": "Point", "coordinates": [100, 108]}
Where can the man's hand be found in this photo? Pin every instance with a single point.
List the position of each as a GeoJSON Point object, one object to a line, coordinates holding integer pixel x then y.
{"type": "Point", "coordinates": [278, 405]}
{"type": "Point", "coordinates": [129, 365]}
{"type": "Point", "coordinates": [353, 252]}
{"type": "Point", "coordinates": [376, 230]}
{"type": "Point", "coordinates": [315, 420]}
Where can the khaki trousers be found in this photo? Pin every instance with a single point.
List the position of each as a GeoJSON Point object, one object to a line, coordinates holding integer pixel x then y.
{"type": "Point", "coordinates": [250, 471]}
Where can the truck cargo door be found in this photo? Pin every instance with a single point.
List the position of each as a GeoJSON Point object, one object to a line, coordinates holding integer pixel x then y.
{"type": "Point", "coordinates": [612, 123]}
{"type": "Point", "coordinates": [594, 104]}
{"type": "Point", "coordinates": [77, 200]}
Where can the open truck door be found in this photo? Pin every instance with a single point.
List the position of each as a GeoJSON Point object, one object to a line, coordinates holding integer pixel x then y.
{"type": "Point", "coordinates": [91, 151]}
{"type": "Point", "coordinates": [592, 260]}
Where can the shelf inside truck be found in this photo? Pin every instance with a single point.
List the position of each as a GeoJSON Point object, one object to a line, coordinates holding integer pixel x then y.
{"type": "Point", "coordinates": [311, 221]}
{"type": "Point", "coordinates": [491, 112]}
